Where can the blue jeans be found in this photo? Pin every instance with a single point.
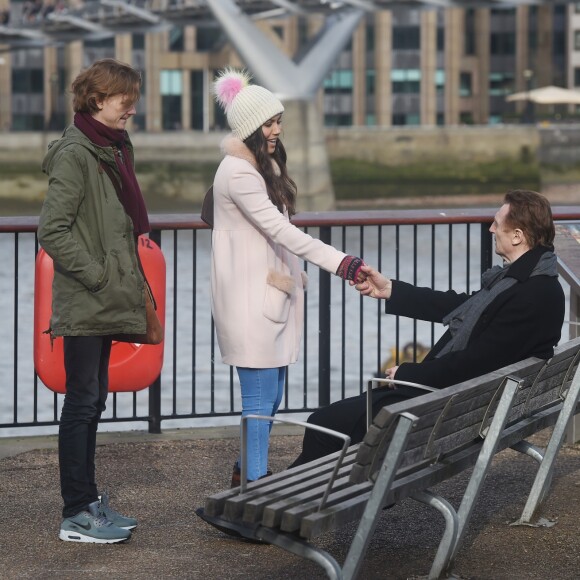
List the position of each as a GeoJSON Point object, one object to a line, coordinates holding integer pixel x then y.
{"type": "Point", "coordinates": [261, 395]}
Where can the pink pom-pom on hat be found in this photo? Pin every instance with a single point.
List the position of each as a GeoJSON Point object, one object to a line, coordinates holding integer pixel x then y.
{"type": "Point", "coordinates": [247, 106]}
{"type": "Point", "coordinates": [228, 85]}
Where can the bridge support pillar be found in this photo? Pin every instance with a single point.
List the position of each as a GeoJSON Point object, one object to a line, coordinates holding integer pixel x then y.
{"type": "Point", "coordinates": [308, 166]}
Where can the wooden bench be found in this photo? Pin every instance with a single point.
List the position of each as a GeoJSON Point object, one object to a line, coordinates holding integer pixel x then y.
{"type": "Point", "coordinates": [410, 447]}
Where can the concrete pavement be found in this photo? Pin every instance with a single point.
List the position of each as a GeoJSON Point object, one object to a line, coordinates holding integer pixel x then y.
{"type": "Point", "coordinates": [161, 479]}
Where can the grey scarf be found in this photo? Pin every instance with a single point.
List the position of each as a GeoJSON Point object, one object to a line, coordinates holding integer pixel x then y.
{"type": "Point", "coordinates": [494, 281]}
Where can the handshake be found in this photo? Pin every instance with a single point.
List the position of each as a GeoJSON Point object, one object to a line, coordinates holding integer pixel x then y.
{"type": "Point", "coordinates": [367, 280]}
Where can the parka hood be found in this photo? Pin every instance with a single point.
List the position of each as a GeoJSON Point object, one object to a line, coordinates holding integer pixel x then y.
{"type": "Point", "coordinates": [73, 136]}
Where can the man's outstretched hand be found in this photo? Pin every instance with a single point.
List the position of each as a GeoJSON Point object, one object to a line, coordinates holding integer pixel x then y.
{"type": "Point", "coordinates": [375, 285]}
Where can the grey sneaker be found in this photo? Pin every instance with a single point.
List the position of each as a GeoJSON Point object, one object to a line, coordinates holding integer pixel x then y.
{"type": "Point", "coordinates": [91, 526]}
{"type": "Point", "coordinates": [114, 516]}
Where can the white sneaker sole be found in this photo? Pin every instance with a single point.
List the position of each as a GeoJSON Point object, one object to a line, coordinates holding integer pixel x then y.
{"type": "Point", "coordinates": [68, 536]}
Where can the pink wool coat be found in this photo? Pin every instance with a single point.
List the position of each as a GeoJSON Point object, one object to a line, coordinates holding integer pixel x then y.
{"type": "Point", "coordinates": [257, 287]}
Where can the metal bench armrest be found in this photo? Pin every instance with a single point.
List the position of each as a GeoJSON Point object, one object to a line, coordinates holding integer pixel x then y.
{"type": "Point", "coordinates": [370, 386]}
{"type": "Point", "coordinates": [244, 466]}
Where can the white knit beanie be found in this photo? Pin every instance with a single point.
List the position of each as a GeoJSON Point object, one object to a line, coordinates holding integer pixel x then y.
{"type": "Point", "coordinates": [247, 106]}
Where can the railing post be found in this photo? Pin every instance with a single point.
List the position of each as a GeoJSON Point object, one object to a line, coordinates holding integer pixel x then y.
{"type": "Point", "coordinates": [155, 388]}
{"type": "Point", "coordinates": [324, 329]}
{"type": "Point", "coordinates": [486, 248]}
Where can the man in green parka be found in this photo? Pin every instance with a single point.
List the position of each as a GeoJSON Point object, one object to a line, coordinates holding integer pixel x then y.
{"type": "Point", "coordinates": [89, 224]}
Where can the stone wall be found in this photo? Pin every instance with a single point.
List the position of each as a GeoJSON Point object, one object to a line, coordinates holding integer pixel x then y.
{"type": "Point", "coordinates": [411, 145]}
{"type": "Point", "coordinates": [179, 165]}
{"type": "Point", "coordinates": [388, 146]}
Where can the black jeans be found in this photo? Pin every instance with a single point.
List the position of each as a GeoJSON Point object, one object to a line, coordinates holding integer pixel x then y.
{"type": "Point", "coordinates": [348, 416]}
{"type": "Point", "coordinates": [86, 363]}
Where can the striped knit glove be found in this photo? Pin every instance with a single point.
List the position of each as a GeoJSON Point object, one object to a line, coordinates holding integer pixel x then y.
{"type": "Point", "coordinates": [349, 269]}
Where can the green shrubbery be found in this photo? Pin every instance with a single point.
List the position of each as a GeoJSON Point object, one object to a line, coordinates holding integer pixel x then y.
{"type": "Point", "coordinates": [362, 180]}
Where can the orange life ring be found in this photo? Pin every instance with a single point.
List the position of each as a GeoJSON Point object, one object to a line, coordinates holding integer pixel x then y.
{"type": "Point", "coordinates": [132, 366]}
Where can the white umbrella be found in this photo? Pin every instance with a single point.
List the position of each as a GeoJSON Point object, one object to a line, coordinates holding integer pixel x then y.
{"type": "Point", "coordinates": [547, 96]}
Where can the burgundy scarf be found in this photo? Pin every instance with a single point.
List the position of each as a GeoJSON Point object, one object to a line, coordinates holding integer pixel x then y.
{"type": "Point", "coordinates": [130, 193]}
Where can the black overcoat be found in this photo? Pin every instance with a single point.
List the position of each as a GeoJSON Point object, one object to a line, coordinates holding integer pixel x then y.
{"type": "Point", "coordinates": [523, 321]}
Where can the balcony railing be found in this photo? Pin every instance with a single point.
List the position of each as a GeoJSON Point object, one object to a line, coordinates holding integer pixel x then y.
{"type": "Point", "coordinates": [347, 338]}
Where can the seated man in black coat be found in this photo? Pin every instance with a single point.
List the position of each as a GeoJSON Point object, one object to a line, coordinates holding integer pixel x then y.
{"type": "Point", "coordinates": [518, 313]}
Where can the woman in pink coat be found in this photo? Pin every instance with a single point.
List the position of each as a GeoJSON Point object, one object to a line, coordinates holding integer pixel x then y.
{"type": "Point", "coordinates": [256, 280]}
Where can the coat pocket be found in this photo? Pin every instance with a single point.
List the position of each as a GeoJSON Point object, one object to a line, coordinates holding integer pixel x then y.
{"type": "Point", "coordinates": [279, 291]}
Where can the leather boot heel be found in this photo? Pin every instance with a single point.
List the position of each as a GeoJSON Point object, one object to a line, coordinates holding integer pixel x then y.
{"type": "Point", "coordinates": [236, 476]}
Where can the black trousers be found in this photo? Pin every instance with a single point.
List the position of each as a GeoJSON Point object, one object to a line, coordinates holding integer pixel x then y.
{"type": "Point", "coordinates": [349, 417]}
{"type": "Point", "coordinates": [86, 362]}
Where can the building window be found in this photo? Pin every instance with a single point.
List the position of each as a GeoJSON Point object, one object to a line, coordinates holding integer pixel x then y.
{"type": "Point", "coordinates": [533, 40]}
{"type": "Point", "coordinates": [206, 39]}
{"type": "Point", "coordinates": [171, 82]}
{"type": "Point", "coordinates": [559, 40]}
{"type": "Point", "coordinates": [171, 95]}
{"type": "Point", "coordinates": [338, 98]}
{"type": "Point", "coordinates": [440, 39]}
{"type": "Point", "coordinates": [338, 120]}
{"type": "Point", "coordinates": [577, 40]}
{"type": "Point", "coordinates": [577, 77]}
{"type": "Point", "coordinates": [138, 122]}
{"type": "Point", "coordinates": [338, 81]}
{"type": "Point", "coordinates": [143, 83]}
{"type": "Point", "coordinates": [406, 38]}
{"type": "Point", "coordinates": [406, 81]}
{"type": "Point", "coordinates": [440, 81]}
{"type": "Point", "coordinates": [27, 81]}
{"type": "Point", "coordinates": [469, 29]}
{"type": "Point", "coordinates": [465, 84]}
{"type": "Point", "coordinates": [176, 39]}
{"type": "Point", "coordinates": [440, 119]}
{"type": "Point", "coordinates": [138, 41]}
{"type": "Point", "coordinates": [23, 122]}
{"type": "Point", "coordinates": [197, 96]}
{"type": "Point", "coordinates": [400, 119]}
{"type": "Point", "coordinates": [466, 118]}
{"type": "Point", "coordinates": [371, 82]}
{"type": "Point", "coordinates": [370, 37]}
{"type": "Point", "coordinates": [502, 43]}
{"type": "Point", "coordinates": [501, 84]}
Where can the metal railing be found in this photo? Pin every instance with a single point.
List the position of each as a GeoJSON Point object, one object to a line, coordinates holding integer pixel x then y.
{"type": "Point", "coordinates": [347, 338]}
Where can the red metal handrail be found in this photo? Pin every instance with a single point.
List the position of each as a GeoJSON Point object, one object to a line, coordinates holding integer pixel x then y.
{"type": "Point", "coordinates": [329, 218]}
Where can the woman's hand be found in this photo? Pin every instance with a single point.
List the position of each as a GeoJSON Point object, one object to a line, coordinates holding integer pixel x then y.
{"type": "Point", "coordinates": [375, 285]}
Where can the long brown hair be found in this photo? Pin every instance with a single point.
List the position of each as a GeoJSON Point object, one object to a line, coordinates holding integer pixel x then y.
{"type": "Point", "coordinates": [281, 188]}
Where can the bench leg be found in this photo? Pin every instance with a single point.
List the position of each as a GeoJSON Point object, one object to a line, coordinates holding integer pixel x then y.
{"type": "Point", "coordinates": [544, 476]}
{"type": "Point", "coordinates": [375, 503]}
{"type": "Point", "coordinates": [449, 539]}
{"type": "Point", "coordinates": [488, 450]}
{"type": "Point", "coordinates": [538, 455]}
{"type": "Point", "coordinates": [302, 549]}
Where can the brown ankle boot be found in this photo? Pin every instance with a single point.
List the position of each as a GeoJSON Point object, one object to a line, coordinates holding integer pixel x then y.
{"type": "Point", "coordinates": [236, 476]}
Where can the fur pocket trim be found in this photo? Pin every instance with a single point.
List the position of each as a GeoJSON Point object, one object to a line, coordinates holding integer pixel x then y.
{"type": "Point", "coordinates": [283, 282]}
